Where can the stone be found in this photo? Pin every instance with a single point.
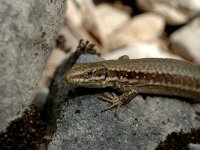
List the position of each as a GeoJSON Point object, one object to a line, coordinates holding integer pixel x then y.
{"type": "Point", "coordinates": [194, 146]}
{"type": "Point", "coordinates": [27, 34]}
{"type": "Point", "coordinates": [142, 28]}
{"type": "Point", "coordinates": [185, 41]}
{"type": "Point", "coordinates": [73, 13]}
{"type": "Point", "coordinates": [41, 96]}
{"type": "Point", "coordinates": [141, 124]}
{"type": "Point", "coordinates": [141, 50]}
{"type": "Point", "coordinates": [111, 18]}
{"type": "Point", "coordinates": [80, 17]}
{"type": "Point", "coordinates": [175, 12]}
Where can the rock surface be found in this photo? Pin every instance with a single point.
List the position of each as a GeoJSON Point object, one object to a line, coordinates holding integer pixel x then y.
{"type": "Point", "coordinates": [175, 12]}
{"type": "Point", "coordinates": [185, 41]}
{"type": "Point", "coordinates": [27, 33]}
{"type": "Point", "coordinates": [141, 124]}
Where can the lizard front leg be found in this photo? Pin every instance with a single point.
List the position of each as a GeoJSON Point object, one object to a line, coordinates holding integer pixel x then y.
{"type": "Point", "coordinates": [118, 101]}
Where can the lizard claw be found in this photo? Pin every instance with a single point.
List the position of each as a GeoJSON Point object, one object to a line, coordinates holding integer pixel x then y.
{"type": "Point", "coordinates": [117, 105]}
{"type": "Point", "coordinates": [107, 97]}
{"type": "Point", "coordinates": [117, 101]}
{"type": "Point", "coordinates": [114, 100]}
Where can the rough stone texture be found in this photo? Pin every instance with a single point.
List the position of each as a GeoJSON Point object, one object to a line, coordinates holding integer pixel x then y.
{"type": "Point", "coordinates": [175, 12]}
{"type": "Point", "coordinates": [141, 124]}
{"type": "Point", "coordinates": [27, 33]}
{"type": "Point", "coordinates": [185, 41]}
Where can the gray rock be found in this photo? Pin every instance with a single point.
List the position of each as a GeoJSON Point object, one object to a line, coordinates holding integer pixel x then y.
{"type": "Point", "coordinates": [87, 58]}
{"type": "Point", "coordinates": [194, 146]}
{"type": "Point", "coordinates": [141, 124]}
{"type": "Point", "coordinates": [41, 96]}
{"type": "Point", "coordinates": [27, 31]}
{"type": "Point", "coordinates": [185, 41]}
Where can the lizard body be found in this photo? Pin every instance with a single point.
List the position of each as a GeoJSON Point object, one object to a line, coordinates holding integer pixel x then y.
{"type": "Point", "coordinates": [134, 76]}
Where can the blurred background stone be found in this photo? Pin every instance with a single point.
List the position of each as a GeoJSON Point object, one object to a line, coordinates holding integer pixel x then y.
{"type": "Point", "coordinates": [194, 146]}
{"type": "Point", "coordinates": [185, 41]}
{"type": "Point", "coordinates": [175, 12]}
{"type": "Point", "coordinates": [141, 50]}
{"type": "Point", "coordinates": [146, 27]}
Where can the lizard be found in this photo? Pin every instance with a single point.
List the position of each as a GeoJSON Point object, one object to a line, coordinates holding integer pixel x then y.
{"type": "Point", "coordinates": [162, 76]}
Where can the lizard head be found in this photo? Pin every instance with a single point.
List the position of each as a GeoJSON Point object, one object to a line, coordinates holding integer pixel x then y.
{"type": "Point", "coordinates": [90, 75]}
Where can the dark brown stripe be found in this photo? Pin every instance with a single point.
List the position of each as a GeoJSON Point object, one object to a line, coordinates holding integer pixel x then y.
{"type": "Point", "coordinates": [160, 78]}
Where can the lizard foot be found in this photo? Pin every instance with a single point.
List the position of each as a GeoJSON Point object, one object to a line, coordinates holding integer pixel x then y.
{"type": "Point", "coordinates": [117, 101]}
{"type": "Point", "coordinates": [113, 99]}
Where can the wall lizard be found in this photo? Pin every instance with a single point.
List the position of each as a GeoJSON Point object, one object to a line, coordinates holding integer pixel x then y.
{"type": "Point", "coordinates": [160, 76]}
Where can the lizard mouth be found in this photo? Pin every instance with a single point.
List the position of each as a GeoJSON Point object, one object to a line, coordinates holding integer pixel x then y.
{"type": "Point", "coordinates": [85, 82]}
